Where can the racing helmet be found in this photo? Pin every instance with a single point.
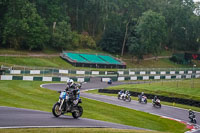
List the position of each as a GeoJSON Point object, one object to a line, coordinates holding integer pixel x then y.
{"type": "Point", "coordinates": [70, 82]}
{"type": "Point", "coordinates": [142, 93]}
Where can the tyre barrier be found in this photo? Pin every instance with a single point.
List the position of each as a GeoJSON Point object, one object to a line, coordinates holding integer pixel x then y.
{"type": "Point", "coordinates": [162, 98]}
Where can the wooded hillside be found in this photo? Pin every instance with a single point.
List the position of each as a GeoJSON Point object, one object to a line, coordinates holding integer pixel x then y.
{"type": "Point", "coordinates": [116, 26]}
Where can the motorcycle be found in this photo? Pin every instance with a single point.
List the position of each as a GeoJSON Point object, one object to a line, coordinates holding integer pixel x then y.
{"type": "Point", "coordinates": [142, 99]}
{"type": "Point", "coordinates": [120, 95]}
{"type": "Point", "coordinates": [156, 103]}
{"type": "Point", "coordinates": [67, 103]}
{"type": "Point", "coordinates": [192, 118]}
{"type": "Point", "coordinates": [127, 97]}
{"type": "Point", "coordinates": [124, 96]}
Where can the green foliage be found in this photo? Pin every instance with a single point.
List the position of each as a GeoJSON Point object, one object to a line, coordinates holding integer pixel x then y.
{"type": "Point", "coordinates": [23, 27]}
{"type": "Point", "coordinates": [135, 48]}
{"type": "Point", "coordinates": [62, 36]}
{"type": "Point", "coordinates": [28, 24]}
{"type": "Point", "coordinates": [152, 31]}
{"type": "Point", "coordinates": [87, 41]}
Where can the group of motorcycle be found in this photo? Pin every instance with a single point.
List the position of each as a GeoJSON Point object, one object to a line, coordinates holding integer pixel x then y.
{"type": "Point", "coordinates": [68, 103]}
{"type": "Point", "coordinates": [125, 95]}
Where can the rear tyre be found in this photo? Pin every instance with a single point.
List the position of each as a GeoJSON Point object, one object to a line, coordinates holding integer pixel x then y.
{"type": "Point", "coordinates": [145, 101]}
{"type": "Point", "coordinates": [129, 99]}
{"type": "Point", "coordinates": [55, 110]}
{"type": "Point", "coordinates": [78, 113]}
{"type": "Point", "coordinates": [123, 98]}
{"type": "Point", "coordinates": [194, 121]}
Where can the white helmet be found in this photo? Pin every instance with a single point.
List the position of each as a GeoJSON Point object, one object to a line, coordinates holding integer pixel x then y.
{"type": "Point", "coordinates": [70, 82]}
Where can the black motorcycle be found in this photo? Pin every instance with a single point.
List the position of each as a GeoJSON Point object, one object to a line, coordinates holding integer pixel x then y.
{"type": "Point", "coordinates": [192, 118]}
{"type": "Point", "coordinates": [156, 103]}
{"type": "Point", "coordinates": [67, 103]}
{"type": "Point", "coordinates": [142, 99]}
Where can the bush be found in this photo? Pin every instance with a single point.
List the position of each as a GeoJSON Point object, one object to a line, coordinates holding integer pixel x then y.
{"type": "Point", "coordinates": [87, 41]}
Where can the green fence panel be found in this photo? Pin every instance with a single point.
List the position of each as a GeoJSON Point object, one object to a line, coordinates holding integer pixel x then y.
{"type": "Point", "coordinates": [126, 72]}
{"type": "Point", "coordinates": [87, 79]}
{"type": "Point", "coordinates": [72, 71]}
{"type": "Point", "coordinates": [114, 78]}
{"type": "Point", "coordinates": [88, 72]}
{"type": "Point", "coordinates": [56, 78]}
{"type": "Point", "coordinates": [173, 77]}
{"type": "Point", "coordinates": [127, 78]}
{"type": "Point", "coordinates": [151, 77]}
{"type": "Point", "coordinates": [183, 76]}
{"type": "Point", "coordinates": [137, 72]}
{"type": "Point", "coordinates": [167, 72]}
{"type": "Point", "coordinates": [7, 72]}
{"type": "Point", "coordinates": [101, 72]}
{"type": "Point", "coordinates": [25, 72]}
{"type": "Point", "coordinates": [176, 72]}
{"type": "Point", "coordinates": [74, 78]}
{"type": "Point", "coordinates": [162, 77]}
{"type": "Point", "coordinates": [17, 78]}
{"type": "Point", "coordinates": [37, 78]}
{"type": "Point", "coordinates": [140, 77]}
{"type": "Point", "coordinates": [55, 70]}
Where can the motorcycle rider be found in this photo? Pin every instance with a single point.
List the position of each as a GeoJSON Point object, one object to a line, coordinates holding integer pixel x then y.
{"type": "Point", "coordinates": [122, 91]}
{"type": "Point", "coordinates": [127, 92]}
{"type": "Point", "coordinates": [72, 87]}
{"type": "Point", "coordinates": [191, 114]}
{"type": "Point", "coordinates": [141, 95]}
{"type": "Point", "coordinates": [154, 99]}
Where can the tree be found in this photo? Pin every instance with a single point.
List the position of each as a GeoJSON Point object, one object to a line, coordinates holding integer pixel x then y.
{"type": "Point", "coordinates": [23, 27]}
{"type": "Point", "coordinates": [152, 31]}
{"type": "Point", "coordinates": [135, 48]}
{"type": "Point", "coordinates": [61, 36]}
{"type": "Point", "coordinates": [112, 40]}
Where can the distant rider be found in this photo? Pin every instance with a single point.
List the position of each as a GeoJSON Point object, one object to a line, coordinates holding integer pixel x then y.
{"type": "Point", "coordinates": [141, 95]}
{"type": "Point", "coordinates": [155, 98]}
{"type": "Point", "coordinates": [191, 114]}
{"type": "Point", "coordinates": [121, 92]}
{"type": "Point", "coordinates": [127, 92]}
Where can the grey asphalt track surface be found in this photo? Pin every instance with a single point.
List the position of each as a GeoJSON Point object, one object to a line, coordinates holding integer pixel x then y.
{"type": "Point", "coordinates": [24, 118]}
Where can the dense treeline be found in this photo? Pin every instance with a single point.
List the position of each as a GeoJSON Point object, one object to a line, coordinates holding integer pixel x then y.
{"type": "Point", "coordinates": [117, 26]}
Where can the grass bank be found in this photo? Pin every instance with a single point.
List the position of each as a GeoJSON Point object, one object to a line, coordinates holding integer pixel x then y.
{"type": "Point", "coordinates": [28, 94]}
{"type": "Point", "coordinates": [57, 62]}
{"type": "Point", "coordinates": [188, 89]}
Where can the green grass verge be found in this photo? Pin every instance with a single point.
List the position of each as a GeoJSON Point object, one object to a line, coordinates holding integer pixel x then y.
{"type": "Point", "coordinates": [73, 130]}
{"type": "Point", "coordinates": [59, 63]}
{"type": "Point", "coordinates": [161, 63]}
{"type": "Point", "coordinates": [149, 100]}
{"type": "Point", "coordinates": [54, 62]}
{"type": "Point", "coordinates": [188, 89]}
{"type": "Point", "coordinates": [27, 94]}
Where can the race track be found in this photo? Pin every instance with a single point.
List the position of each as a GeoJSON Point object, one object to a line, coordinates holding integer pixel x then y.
{"type": "Point", "coordinates": [166, 111]}
{"type": "Point", "coordinates": [19, 118]}
{"type": "Point", "coordinates": [24, 118]}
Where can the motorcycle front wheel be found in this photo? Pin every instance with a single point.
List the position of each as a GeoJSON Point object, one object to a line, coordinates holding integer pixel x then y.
{"type": "Point", "coordinates": [55, 110]}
